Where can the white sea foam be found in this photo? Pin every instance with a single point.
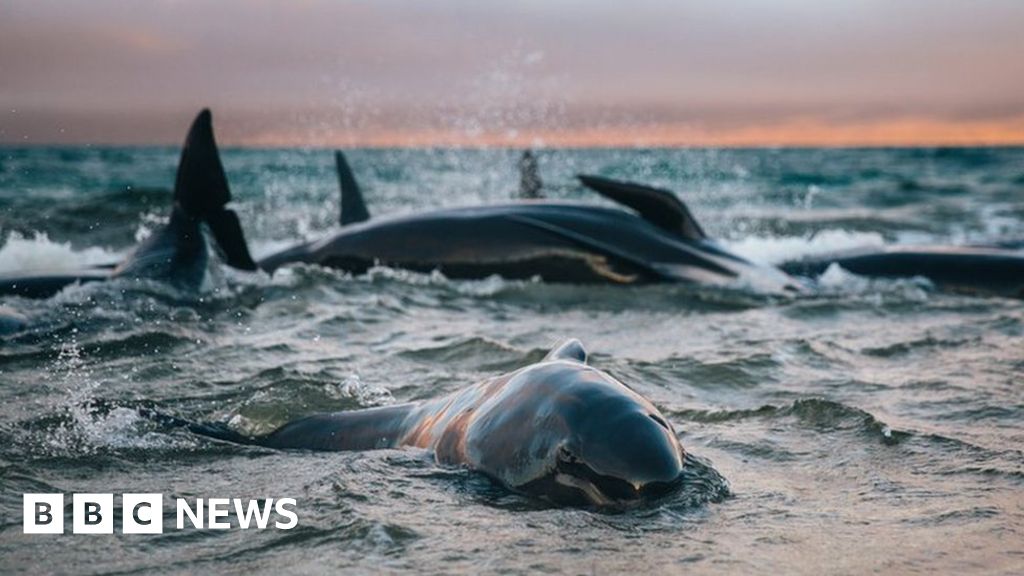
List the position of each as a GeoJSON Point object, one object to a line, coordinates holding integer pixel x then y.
{"type": "Point", "coordinates": [837, 280]}
{"type": "Point", "coordinates": [37, 252]}
{"type": "Point", "coordinates": [483, 287]}
{"type": "Point", "coordinates": [773, 250]}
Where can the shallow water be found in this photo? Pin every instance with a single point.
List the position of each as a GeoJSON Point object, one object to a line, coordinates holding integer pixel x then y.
{"type": "Point", "coordinates": [870, 426]}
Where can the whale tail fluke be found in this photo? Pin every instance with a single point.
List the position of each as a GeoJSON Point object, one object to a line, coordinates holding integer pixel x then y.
{"type": "Point", "coordinates": [201, 192]}
{"type": "Point", "coordinates": [353, 207]}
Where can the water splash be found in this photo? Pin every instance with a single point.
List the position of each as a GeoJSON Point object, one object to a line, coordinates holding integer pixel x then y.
{"type": "Point", "coordinates": [773, 249]}
{"type": "Point", "coordinates": [36, 251]}
{"type": "Point", "coordinates": [365, 394]}
{"type": "Point", "coordinates": [83, 430]}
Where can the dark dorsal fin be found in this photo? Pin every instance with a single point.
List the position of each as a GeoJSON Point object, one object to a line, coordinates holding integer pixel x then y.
{"type": "Point", "coordinates": [571, 349]}
{"type": "Point", "coordinates": [353, 208]}
{"type": "Point", "coordinates": [201, 191]}
{"type": "Point", "coordinates": [659, 207]}
{"type": "Point", "coordinates": [201, 186]}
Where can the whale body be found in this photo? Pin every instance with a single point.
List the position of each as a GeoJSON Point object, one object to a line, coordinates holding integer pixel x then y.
{"type": "Point", "coordinates": [556, 241]}
{"type": "Point", "coordinates": [558, 429]}
{"type": "Point", "coordinates": [963, 269]}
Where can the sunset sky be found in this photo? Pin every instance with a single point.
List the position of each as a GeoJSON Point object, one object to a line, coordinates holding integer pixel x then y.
{"type": "Point", "coordinates": [533, 72]}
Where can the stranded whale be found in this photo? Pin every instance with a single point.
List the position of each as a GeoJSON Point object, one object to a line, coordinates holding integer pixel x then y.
{"type": "Point", "coordinates": [557, 241]}
{"type": "Point", "coordinates": [963, 269]}
{"type": "Point", "coordinates": [177, 252]}
{"type": "Point", "coordinates": [558, 429]}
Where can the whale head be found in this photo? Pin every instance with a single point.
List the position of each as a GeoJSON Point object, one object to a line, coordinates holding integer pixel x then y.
{"type": "Point", "coordinates": [594, 441]}
{"type": "Point", "coordinates": [620, 453]}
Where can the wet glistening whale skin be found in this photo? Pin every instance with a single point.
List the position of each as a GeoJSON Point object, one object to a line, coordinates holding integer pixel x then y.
{"type": "Point", "coordinates": [559, 430]}
{"type": "Point", "coordinates": [558, 241]}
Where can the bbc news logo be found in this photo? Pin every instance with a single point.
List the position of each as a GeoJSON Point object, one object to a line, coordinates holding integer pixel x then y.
{"type": "Point", "coordinates": [144, 513]}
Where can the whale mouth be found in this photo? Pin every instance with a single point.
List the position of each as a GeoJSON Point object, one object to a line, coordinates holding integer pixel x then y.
{"type": "Point", "coordinates": [603, 490]}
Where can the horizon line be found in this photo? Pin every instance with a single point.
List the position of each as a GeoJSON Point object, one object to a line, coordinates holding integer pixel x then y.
{"type": "Point", "coordinates": [473, 147]}
{"type": "Point", "coordinates": [232, 131]}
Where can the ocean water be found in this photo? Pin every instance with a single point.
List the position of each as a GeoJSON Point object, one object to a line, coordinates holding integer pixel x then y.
{"type": "Point", "coordinates": [871, 426]}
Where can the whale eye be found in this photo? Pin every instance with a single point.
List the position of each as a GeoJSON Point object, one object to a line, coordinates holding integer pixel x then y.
{"type": "Point", "coordinates": [658, 419]}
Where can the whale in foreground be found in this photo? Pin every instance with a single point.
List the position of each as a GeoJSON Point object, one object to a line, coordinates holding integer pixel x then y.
{"type": "Point", "coordinates": [177, 252]}
{"type": "Point", "coordinates": [559, 430]}
{"type": "Point", "coordinates": [659, 241]}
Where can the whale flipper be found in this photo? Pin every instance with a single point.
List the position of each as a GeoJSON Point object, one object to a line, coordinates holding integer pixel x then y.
{"type": "Point", "coordinates": [353, 208]}
{"type": "Point", "coordinates": [595, 245]}
{"type": "Point", "coordinates": [659, 207]}
{"type": "Point", "coordinates": [571, 349]}
{"type": "Point", "coordinates": [227, 232]}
